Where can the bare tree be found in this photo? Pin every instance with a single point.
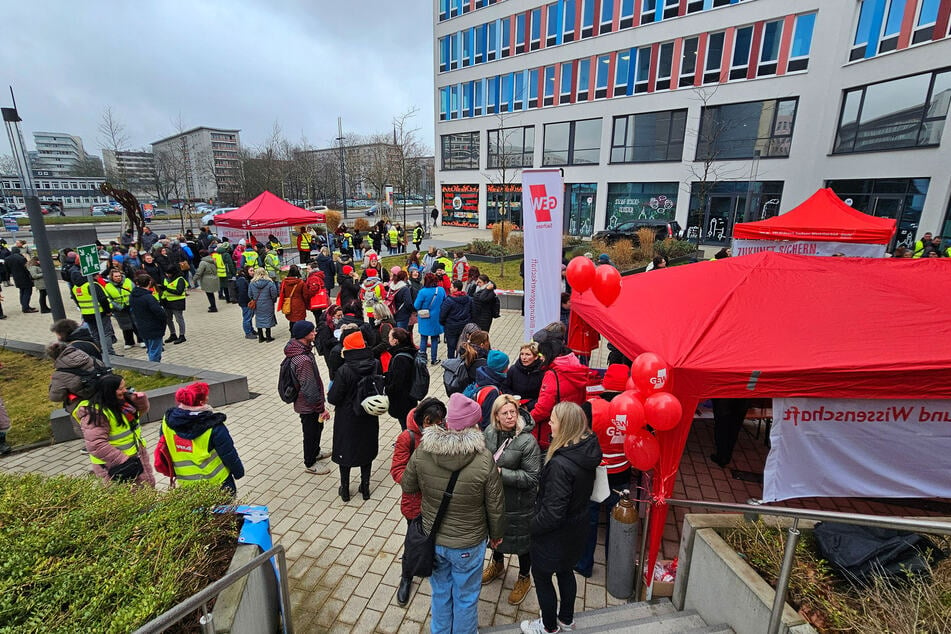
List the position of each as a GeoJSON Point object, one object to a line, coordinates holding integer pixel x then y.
{"type": "Point", "coordinates": [408, 151]}
{"type": "Point", "coordinates": [8, 166]}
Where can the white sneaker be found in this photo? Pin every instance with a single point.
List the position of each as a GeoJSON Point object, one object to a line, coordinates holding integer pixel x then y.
{"type": "Point", "coordinates": [566, 627]}
{"type": "Point", "coordinates": [537, 627]}
{"type": "Point", "coordinates": [126, 347]}
{"type": "Point", "coordinates": [317, 469]}
{"type": "Point", "coordinates": [142, 345]}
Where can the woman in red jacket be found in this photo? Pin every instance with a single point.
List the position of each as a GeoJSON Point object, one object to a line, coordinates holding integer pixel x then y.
{"type": "Point", "coordinates": [565, 380]}
{"type": "Point", "coordinates": [431, 411]}
{"type": "Point", "coordinates": [293, 288]}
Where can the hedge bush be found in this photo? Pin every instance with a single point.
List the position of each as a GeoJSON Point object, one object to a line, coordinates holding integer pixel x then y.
{"type": "Point", "coordinates": [77, 556]}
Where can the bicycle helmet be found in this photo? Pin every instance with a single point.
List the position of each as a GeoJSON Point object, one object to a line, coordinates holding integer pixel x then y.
{"type": "Point", "coordinates": [375, 405]}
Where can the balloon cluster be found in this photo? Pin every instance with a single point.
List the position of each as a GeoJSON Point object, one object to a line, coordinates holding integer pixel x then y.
{"type": "Point", "coordinates": [646, 402]}
{"type": "Point", "coordinates": [604, 280]}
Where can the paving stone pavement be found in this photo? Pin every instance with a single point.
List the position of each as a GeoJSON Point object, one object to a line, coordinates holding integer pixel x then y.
{"type": "Point", "coordinates": [343, 558]}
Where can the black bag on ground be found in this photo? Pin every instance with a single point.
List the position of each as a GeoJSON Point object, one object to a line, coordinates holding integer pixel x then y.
{"type": "Point", "coordinates": [859, 552]}
{"type": "Point", "coordinates": [419, 549]}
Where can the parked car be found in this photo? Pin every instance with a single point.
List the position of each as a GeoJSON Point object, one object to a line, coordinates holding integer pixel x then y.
{"type": "Point", "coordinates": [160, 212]}
{"type": "Point", "coordinates": [209, 218]}
{"type": "Point", "coordinates": [15, 214]}
{"type": "Point", "coordinates": [381, 208]}
{"type": "Point", "coordinates": [628, 230]}
{"type": "Point", "coordinates": [113, 211]}
{"type": "Point", "coordinates": [320, 208]}
{"type": "Point", "coordinates": [98, 212]}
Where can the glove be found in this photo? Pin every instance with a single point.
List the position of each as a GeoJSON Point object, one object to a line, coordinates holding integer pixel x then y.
{"type": "Point", "coordinates": [127, 471]}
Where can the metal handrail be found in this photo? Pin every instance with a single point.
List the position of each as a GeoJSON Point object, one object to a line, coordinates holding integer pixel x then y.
{"type": "Point", "coordinates": [167, 619]}
{"type": "Point", "coordinates": [782, 583]}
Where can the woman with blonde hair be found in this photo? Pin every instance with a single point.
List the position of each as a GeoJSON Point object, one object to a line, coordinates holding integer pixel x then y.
{"type": "Point", "coordinates": [524, 377]}
{"type": "Point", "coordinates": [558, 525]}
{"type": "Point", "coordinates": [509, 439]}
{"type": "Point", "coordinates": [263, 293]}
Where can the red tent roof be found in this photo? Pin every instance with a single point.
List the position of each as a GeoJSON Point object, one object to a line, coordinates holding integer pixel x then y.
{"type": "Point", "coordinates": [268, 211]}
{"type": "Point", "coordinates": [823, 217]}
{"type": "Point", "coordinates": [773, 324]}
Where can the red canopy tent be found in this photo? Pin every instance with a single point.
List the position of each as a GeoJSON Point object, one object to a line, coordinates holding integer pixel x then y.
{"type": "Point", "coordinates": [823, 217]}
{"type": "Point", "coordinates": [268, 211]}
{"type": "Point", "coordinates": [772, 325]}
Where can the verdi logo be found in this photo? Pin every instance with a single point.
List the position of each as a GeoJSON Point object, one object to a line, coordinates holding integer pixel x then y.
{"type": "Point", "coordinates": [542, 203]}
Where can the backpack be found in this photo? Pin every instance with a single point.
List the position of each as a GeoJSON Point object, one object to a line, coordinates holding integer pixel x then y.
{"type": "Point", "coordinates": [367, 386]}
{"type": "Point", "coordinates": [88, 379]}
{"type": "Point", "coordinates": [420, 387]}
{"type": "Point", "coordinates": [288, 387]}
{"type": "Point", "coordinates": [455, 376]}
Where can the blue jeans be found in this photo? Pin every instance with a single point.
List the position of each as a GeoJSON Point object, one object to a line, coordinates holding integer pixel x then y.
{"type": "Point", "coordinates": [404, 324]}
{"type": "Point", "coordinates": [154, 349]}
{"type": "Point", "coordinates": [456, 582]}
{"type": "Point", "coordinates": [423, 339]}
{"type": "Point", "coordinates": [452, 343]}
{"type": "Point", "coordinates": [246, 315]}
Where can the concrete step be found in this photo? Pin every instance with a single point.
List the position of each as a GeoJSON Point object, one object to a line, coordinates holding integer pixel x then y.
{"type": "Point", "coordinates": [675, 623]}
{"type": "Point", "coordinates": [614, 615]}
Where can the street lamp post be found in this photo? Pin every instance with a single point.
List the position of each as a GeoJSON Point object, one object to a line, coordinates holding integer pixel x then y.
{"type": "Point", "coordinates": [343, 167]}
{"type": "Point", "coordinates": [11, 120]}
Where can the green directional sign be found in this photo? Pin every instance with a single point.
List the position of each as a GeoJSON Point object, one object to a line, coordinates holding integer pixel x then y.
{"type": "Point", "coordinates": [89, 259]}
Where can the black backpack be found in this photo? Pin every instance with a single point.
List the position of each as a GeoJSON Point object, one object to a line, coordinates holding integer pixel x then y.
{"type": "Point", "coordinates": [88, 379]}
{"type": "Point", "coordinates": [420, 387]}
{"type": "Point", "coordinates": [288, 387]}
{"type": "Point", "coordinates": [455, 376]}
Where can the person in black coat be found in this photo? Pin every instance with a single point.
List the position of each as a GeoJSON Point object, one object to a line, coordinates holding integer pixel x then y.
{"type": "Point", "coordinates": [524, 377]}
{"type": "Point", "coordinates": [485, 303]}
{"type": "Point", "coordinates": [148, 316]}
{"type": "Point", "coordinates": [349, 290]}
{"type": "Point", "coordinates": [400, 374]}
{"type": "Point", "coordinates": [403, 299]}
{"type": "Point", "coordinates": [356, 433]}
{"type": "Point", "coordinates": [16, 264]}
{"type": "Point", "coordinates": [326, 264]}
{"type": "Point", "coordinates": [455, 313]}
{"type": "Point", "coordinates": [559, 525]}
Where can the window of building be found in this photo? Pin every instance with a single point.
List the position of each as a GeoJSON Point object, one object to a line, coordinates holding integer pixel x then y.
{"type": "Point", "coordinates": [769, 48]}
{"type": "Point", "coordinates": [480, 35]}
{"type": "Point", "coordinates": [554, 19]}
{"type": "Point", "coordinates": [648, 11]}
{"type": "Point", "coordinates": [505, 100]}
{"type": "Point", "coordinates": [801, 43]}
{"type": "Point", "coordinates": [643, 70]}
{"type": "Point", "coordinates": [746, 130]}
{"type": "Point", "coordinates": [478, 97]}
{"type": "Point", "coordinates": [443, 54]}
{"type": "Point", "coordinates": [741, 52]}
{"type": "Point", "coordinates": [927, 18]}
{"type": "Point", "coordinates": [900, 198]}
{"type": "Point", "coordinates": [649, 137]}
{"type": "Point", "coordinates": [460, 151]}
{"type": "Point", "coordinates": [549, 94]}
{"type": "Point", "coordinates": [511, 147]}
{"type": "Point", "coordinates": [464, 6]}
{"type": "Point", "coordinates": [518, 100]}
{"type": "Point", "coordinates": [467, 52]}
{"type": "Point", "coordinates": [892, 26]}
{"type": "Point", "coordinates": [564, 94]}
{"type": "Point", "coordinates": [533, 88]}
{"type": "Point", "coordinates": [454, 51]}
{"type": "Point", "coordinates": [640, 201]}
{"type": "Point", "coordinates": [587, 18]}
{"type": "Point", "coordinates": [568, 28]}
{"type": "Point", "coordinates": [572, 143]}
{"type": "Point", "coordinates": [601, 80]}
{"type": "Point", "coordinates": [671, 9]}
{"type": "Point", "coordinates": [443, 10]}
{"type": "Point", "coordinates": [665, 61]}
{"type": "Point", "coordinates": [607, 16]}
{"type": "Point", "coordinates": [492, 95]}
{"type": "Point", "coordinates": [520, 33]}
{"type": "Point", "coordinates": [714, 58]}
{"type": "Point", "coordinates": [454, 102]}
{"type": "Point", "coordinates": [626, 15]}
{"type": "Point", "coordinates": [688, 63]}
{"type": "Point", "coordinates": [622, 71]}
{"type": "Point", "coordinates": [467, 100]}
{"type": "Point", "coordinates": [901, 113]}
{"type": "Point", "coordinates": [536, 40]}
{"type": "Point", "coordinates": [584, 78]}
{"type": "Point", "coordinates": [505, 27]}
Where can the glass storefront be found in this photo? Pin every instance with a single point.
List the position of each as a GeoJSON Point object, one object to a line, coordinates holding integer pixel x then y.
{"type": "Point", "coordinates": [899, 198]}
{"type": "Point", "coordinates": [727, 203]}
{"type": "Point", "coordinates": [580, 201]}
{"type": "Point", "coordinates": [460, 205]}
{"type": "Point", "coordinates": [503, 201]}
{"type": "Point", "coordinates": [640, 201]}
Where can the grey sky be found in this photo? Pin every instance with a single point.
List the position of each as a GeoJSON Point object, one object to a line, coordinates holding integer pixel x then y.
{"type": "Point", "coordinates": [222, 63]}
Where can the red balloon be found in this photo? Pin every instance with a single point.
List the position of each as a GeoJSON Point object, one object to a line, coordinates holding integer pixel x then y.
{"type": "Point", "coordinates": [580, 273]}
{"type": "Point", "coordinates": [607, 284]}
{"type": "Point", "coordinates": [627, 411]}
{"type": "Point", "coordinates": [641, 449]}
{"type": "Point", "coordinates": [630, 383]}
{"type": "Point", "coordinates": [663, 411]}
{"type": "Point", "coordinates": [650, 373]}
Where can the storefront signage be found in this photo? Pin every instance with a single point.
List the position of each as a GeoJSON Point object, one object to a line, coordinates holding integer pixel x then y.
{"type": "Point", "coordinates": [460, 205]}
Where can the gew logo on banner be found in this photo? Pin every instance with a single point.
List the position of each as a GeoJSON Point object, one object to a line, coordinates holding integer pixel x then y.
{"type": "Point", "coordinates": [542, 203]}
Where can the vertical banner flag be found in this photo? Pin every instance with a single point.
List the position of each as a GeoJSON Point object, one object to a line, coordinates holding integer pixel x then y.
{"type": "Point", "coordinates": [858, 448]}
{"type": "Point", "coordinates": [543, 193]}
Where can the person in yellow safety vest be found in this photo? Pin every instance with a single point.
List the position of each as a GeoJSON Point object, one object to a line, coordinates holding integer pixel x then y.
{"type": "Point", "coordinates": [109, 420]}
{"type": "Point", "coordinates": [303, 244]}
{"type": "Point", "coordinates": [173, 301]}
{"type": "Point", "coordinates": [272, 263]}
{"type": "Point", "coordinates": [418, 235]}
{"type": "Point", "coordinates": [195, 445]}
{"type": "Point", "coordinates": [250, 258]}
{"type": "Point", "coordinates": [921, 244]}
{"type": "Point", "coordinates": [118, 291]}
{"type": "Point", "coordinates": [393, 240]}
{"type": "Point", "coordinates": [226, 270]}
{"type": "Point", "coordinates": [85, 295]}
{"type": "Point", "coordinates": [441, 257]}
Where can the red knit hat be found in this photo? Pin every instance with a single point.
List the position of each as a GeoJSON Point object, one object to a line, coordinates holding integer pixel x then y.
{"type": "Point", "coordinates": [615, 378]}
{"type": "Point", "coordinates": [192, 395]}
{"type": "Point", "coordinates": [347, 270]}
{"type": "Point", "coordinates": [354, 342]}
{"type": "Point", "coordinates": [373, 273]}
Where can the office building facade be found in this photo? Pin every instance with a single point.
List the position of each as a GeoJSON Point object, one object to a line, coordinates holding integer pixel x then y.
{"type": "Point", "coordinates": [200, 164]}
{"type": "Point", "coordinates": [57, 153]}
{"type": "Point", "coordinates": [707, 112]}
{"type": "Point", "coordinates": [134, 171]}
